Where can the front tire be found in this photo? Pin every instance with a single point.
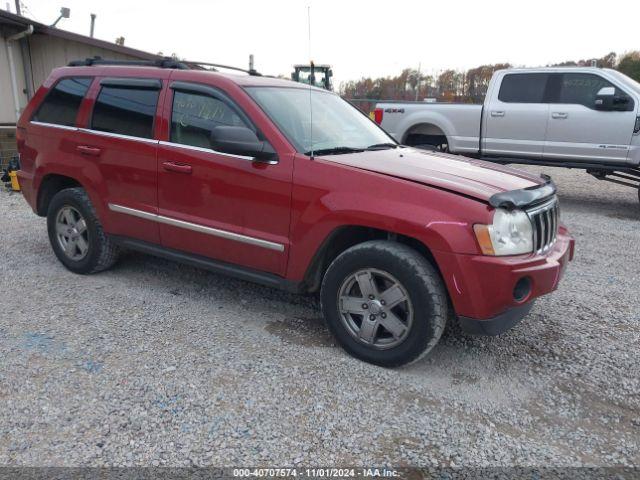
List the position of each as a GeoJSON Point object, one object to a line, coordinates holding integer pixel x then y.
{"type": "Point", "coordinates": [384, 303]}
{"type": "Point", "coordinates": [76, 235]}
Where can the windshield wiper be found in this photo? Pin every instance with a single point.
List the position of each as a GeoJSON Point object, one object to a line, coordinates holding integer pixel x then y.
{"type": "Point", "coordinates": [382, 146]}
{"type": "Point", "coordinates": [334, 151]}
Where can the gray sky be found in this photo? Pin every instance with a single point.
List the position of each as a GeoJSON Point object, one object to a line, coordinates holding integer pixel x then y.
{"type": "Point", "coordinates": [359, 38]}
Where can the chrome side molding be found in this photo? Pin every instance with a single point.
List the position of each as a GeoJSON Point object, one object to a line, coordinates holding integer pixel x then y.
{"type": "Point", "coordinates": [278, 247]}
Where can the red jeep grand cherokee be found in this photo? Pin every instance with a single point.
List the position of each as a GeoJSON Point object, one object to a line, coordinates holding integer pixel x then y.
{"type": "Point", "coordinates": [292, 187]}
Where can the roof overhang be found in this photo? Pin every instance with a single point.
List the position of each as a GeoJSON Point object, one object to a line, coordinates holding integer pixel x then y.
{"type": "Point", "coordinates": [17, 22]}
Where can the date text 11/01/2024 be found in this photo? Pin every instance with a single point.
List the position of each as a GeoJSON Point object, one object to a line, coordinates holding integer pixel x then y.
{"type": "Point", "coordinates": [316, 473]}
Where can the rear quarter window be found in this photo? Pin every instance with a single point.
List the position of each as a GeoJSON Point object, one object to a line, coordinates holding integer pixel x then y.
{"type": "Point", "coordinates": [61, 105]}
{"type": "Point", "coordinates": [523, 88]}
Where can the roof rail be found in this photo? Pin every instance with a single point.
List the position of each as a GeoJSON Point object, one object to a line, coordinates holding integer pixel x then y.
{"type": "Point", "coordinates": [215, 66]}
{"type": "Point", "coordinates": [166, 62]}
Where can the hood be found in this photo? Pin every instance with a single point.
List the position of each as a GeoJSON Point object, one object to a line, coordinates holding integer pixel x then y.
{"type": "Point", "coordinates": [475, 178]}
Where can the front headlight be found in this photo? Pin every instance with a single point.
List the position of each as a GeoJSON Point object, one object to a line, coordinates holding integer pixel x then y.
{"type": "Point", "coordinates": [510, 233]}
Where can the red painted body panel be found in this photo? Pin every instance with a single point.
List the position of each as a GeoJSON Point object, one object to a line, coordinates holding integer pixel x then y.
{"type": "Point", "coordinates": [227, 193]}
{"type": "Point", "coordinates": [482, 287]}
{"type": "Point", "coordinates": [471, 177]}
{"type": "Point", "coordinates": [296, 203]}
{"type": "Point", "coordinates": [224, 193]}
{"type": "Point", "coordinates": [328, 195]}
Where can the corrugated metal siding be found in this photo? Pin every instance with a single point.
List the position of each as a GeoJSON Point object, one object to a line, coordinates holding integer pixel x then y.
{"type": "Point", "coordinates": [7, 107]}
{"type": "Point", "coordinates": [6, 97]}
{"type": "Point", "coordinates": [49, 52]}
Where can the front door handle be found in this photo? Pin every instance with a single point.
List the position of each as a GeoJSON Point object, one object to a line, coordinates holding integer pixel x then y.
{"type": "Point", "coordinates": [177, 167]}
{"type": "Point", "coordinates": [87, 150]}
{"type": "Point", "coordinates": [560, 115]}
{"type": "Point", "coordinates": [497, 113]}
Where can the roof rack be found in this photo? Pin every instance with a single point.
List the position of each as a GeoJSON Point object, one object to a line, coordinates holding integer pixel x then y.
{"type": "Point", "coordinates": [215, 66]}
{"type": "Point", "coordinates": [166, 62]}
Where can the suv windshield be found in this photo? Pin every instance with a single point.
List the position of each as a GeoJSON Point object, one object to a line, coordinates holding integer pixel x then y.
{"type": "Point", "coordinates": [338, 127]}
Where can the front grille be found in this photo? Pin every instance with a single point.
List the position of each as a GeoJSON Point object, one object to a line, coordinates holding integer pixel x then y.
{"type": "Point", "coordinates": [544, 219]}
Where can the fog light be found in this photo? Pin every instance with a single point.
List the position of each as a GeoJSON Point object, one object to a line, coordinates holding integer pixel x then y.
{"type": "Point", "coordinates": [522, 289]}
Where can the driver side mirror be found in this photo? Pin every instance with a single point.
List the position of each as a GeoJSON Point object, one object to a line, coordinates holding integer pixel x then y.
{"type": "Point", "coordinates": [242, 141]}
{"type": "Point", "coordinates": [608, 101]}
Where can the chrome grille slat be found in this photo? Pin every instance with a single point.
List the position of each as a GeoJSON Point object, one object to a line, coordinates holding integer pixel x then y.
{"type": "Point", "coordinates": [543, 231]}
{"type": "Point", "coordinates": [544, 220]}
{"type": "Point", "coordinates": [549, 226]}
{"type": "Point", "coordinates": [554, 219]}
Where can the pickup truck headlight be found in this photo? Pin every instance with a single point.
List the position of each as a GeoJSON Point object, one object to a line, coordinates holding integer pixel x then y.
{"type": "Point", "coordinates": [511, 233]}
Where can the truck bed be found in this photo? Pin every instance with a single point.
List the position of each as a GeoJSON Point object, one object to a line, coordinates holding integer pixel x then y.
{"type": "Point", "coordinates": [460, 121]}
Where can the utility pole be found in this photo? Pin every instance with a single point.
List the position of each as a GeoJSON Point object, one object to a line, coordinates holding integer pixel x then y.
{"type": "Point", "coordinates": [418, 81]}
{"type": "Point", "coordinates": [93, 24]}
{"type": "Point", "coordinates": [18, 11]}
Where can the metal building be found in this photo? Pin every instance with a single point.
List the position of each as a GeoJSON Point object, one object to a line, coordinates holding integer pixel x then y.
{"type": "Point", "coordinates": [29, 50]}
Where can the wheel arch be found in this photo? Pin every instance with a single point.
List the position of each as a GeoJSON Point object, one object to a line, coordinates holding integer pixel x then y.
{"type": "Point", "coordinates": [347, 236]}
{"type": "Point", "coordinates": [425, 128]}
{"type": "Point", "coordinates": [427, 121]}
{"type": "Point", "coordinates": [51, 184]}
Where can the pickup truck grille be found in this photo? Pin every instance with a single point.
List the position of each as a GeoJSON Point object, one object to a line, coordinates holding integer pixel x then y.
{"type": "Point", "coordinates": [544, 220]}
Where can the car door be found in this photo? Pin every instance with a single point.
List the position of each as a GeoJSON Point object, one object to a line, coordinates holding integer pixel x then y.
{"type": "Point", "coordinates": [119, 143]}
{"type": "Point", "coordinates": [228, 207]}
{"type": "Point", "coordinates": [581, 130]}
{"type": "Point", "coordinates": [515, 121]}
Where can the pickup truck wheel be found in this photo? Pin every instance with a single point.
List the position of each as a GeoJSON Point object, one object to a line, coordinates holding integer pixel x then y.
{"type": "Point", "coordinates": [384, 303]}
{"type": "Point", "coordinates": [76, 235]}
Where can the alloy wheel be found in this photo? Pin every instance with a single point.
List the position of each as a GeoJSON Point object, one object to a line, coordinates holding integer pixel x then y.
{"type": "Point", "coordinates": [72, 233]}
{"type": "Point", "coordinates": [375, 308]}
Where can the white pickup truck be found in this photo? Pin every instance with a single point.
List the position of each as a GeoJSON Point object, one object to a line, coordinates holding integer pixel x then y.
{"type": "Point", "coordinates": [572, 117]}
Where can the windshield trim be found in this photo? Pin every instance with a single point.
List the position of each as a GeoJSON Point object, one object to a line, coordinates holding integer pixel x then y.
{"type": "Point", "coordinates": [298, 148]}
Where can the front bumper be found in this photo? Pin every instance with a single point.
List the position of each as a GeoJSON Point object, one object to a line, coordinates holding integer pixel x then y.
{"type": "Point", "coordinates": [498, 324]}
{"type": "Point", "coordinates": [483, 288]}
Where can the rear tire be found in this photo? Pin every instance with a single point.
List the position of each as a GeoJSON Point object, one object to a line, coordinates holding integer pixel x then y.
{"type": "Point", "coordinates": [76, 235]}
{"type": "Point", "coordinates": [384, 303]}
{"type": "Point", "coordinates": [434, 143]}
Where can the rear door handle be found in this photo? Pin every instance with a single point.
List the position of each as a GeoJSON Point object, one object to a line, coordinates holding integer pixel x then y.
{"type": "Point", "coordinates": [87, 150]}
{"type": "Point", "coordinates": [177, 167]}
{"type": "Point", "coordinates": [497, 113]}
{"type": "Point", "coordinates": [560, 115]}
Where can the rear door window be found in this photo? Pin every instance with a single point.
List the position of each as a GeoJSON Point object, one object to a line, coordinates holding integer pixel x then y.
{"type": "Point", "coordinates": [523, 88]}
{"type": "Point", "coordinates": [194, 115]}
{"type": "Point", "coordinates": [125, 110]}
{"type": "Point", "coordinates": [61, 105]}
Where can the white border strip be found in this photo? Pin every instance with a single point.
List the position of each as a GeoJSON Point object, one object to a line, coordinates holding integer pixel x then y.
{"type": "Point", "coordinates": [145, 140]}
{"type": "Point", "coordinates": [205, 150]}
{"type": "Point", "coordinates": [119, 135]}
{"type": "Point", "coordinates": [278, 247]}
{"type": "Point", "coordinates": [53, 125]}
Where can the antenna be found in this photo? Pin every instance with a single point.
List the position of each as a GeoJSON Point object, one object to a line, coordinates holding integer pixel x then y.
{"type": "Point", "coordinates": [311, 76]}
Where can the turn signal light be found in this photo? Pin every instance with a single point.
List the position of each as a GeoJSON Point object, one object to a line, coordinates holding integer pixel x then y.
{"type": "Point", "coordinates": [484, 239]}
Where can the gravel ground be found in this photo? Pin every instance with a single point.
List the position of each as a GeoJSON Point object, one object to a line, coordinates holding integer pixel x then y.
{"type": "Point", "coordinates": [154, 363]}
